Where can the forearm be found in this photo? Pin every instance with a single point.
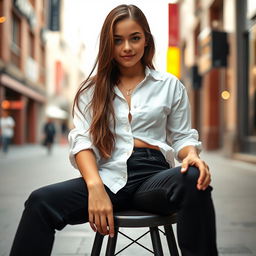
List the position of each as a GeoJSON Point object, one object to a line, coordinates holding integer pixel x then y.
{"type": "Point", "coordinates": [87, 166]}
{"type": "Point", "coordinates": [188, 150]}
{"type": "Point", "coordinates": [99, 204]}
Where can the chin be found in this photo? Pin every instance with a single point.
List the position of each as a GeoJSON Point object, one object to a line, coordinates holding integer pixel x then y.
{"type": "Point", "coordinates": [128, 64]}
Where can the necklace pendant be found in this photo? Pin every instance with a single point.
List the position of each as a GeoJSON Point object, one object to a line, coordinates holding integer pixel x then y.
{"type": "Point", "coordinates": [129, 92]}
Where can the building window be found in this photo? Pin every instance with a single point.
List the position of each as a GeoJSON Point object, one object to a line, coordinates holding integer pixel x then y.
{"type": "Point", "coordinates": [65, 80]}
{"type": "Point", "coordinates": [42, 65]}
{"type": "Point", "coordinates": [31, 45]}
{"type": "Point", "coordinates": [16, 40]}
{"type": "Point", "coordinates": [252, 82]}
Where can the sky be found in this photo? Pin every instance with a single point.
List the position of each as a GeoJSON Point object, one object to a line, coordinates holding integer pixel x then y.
{"type": "Point", "coordinates": [87, 17]}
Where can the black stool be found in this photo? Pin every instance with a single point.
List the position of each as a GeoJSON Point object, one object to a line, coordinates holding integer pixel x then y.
{"type": "Point", "coordinates": [134, 219]}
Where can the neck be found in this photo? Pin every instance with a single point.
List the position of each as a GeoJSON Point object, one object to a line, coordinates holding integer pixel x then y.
{"type": "Point", "coordinates": [136, 71]}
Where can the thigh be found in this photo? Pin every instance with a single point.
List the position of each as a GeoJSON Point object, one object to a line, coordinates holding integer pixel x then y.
{"type": "Point", "coordinates": [163, 192]}
{"type": "Point", "coordinates": [69, 200]}
{"type": "Point", "coordinates": [65, 202]}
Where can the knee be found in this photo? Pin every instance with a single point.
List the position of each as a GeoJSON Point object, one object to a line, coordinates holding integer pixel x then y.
{"type": "Point", "coordinates": [189, 181]}
{"type": "Point", "coordinates": [190, 177]}
{"type": "Point", "coordinates": [44, 206]}
{"type": "Point", "coordinates": [38, 199]}
{"type": "Point", "coordinates": [189, 186]}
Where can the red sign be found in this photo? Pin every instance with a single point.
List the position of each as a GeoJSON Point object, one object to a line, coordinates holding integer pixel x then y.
{"type": "Point", "coordinates": [173, 24]}
{"type": "Point", "coordinates": [12, 104]}
{"type": "Point", "coordinates": [59, 73]}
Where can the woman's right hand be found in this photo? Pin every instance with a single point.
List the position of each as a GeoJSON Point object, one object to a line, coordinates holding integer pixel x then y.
{"type": "Point", "coordinates": [100, 210]}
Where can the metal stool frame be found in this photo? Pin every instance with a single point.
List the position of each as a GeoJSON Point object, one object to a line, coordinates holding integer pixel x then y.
{"type": "Point", "coordinates": [134, 219]}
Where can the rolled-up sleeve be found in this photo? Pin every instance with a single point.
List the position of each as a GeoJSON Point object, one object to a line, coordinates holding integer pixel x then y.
{"type": "Point", "coordinates": [179, 131]}
{"type": "Point", "coordinates": [79, 137]}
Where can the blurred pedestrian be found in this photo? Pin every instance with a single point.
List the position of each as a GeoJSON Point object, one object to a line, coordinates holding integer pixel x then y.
{"type": "Point", "coordinates": [130, 122]}
{"type": "Point", "coordinates": [7, 124]}
{"type": "Point", "coordinates": [49, 135]}
{"type": "Point", "coordinates": [64, 133]}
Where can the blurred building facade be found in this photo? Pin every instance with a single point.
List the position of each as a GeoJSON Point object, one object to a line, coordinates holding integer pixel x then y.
{"type": "Point", "coordinates": [41, 64]}
{"type": "Point", "coordinates": [218, 65]}
{"type": "Point", "coordinates": [22, 65]}
{"type": "Point", "coordinates": [65, 57]}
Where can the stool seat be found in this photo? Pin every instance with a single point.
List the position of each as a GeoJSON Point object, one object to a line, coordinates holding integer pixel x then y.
{"type": "Point", "coordinates": [134, 218]}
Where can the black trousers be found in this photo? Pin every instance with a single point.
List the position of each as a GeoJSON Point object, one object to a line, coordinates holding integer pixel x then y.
{"type": "Point", "coordinates": [152, 186]}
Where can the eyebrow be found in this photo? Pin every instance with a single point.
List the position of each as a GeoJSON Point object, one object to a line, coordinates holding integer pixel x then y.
{"type": "Point", "coordinates": [132, 34]}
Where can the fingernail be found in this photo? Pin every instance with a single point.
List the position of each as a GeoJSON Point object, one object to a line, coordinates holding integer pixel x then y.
{"type": "Point", "coordinates": [183, 169]}
{"type": "Point", "coordinates": [111, 235]}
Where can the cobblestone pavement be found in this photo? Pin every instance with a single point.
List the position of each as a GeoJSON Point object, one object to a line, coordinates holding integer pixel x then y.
{"type": "Point", "coordinates": [29, 167]}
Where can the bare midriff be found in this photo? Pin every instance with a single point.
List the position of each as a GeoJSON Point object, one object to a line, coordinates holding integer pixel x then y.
{"type": "Point", "coordinates": [141, 144]}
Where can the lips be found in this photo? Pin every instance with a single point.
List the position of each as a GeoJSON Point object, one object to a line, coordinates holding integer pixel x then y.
{"type": "Point", "coordinates": [127, 57]}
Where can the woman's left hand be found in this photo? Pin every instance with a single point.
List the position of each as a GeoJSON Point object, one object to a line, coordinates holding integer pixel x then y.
{"type": "Point", "coordinates": [204, 177]}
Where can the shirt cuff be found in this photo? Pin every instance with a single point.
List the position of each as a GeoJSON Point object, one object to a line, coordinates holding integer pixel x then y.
{"type": "Point", "coordinates": [79, 146]}
{"type": "Point", "coordinates": [181, 145]}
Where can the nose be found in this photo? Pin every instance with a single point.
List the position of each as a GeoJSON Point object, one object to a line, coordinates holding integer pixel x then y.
{"type": "Point", "coordinates": [127, 46]}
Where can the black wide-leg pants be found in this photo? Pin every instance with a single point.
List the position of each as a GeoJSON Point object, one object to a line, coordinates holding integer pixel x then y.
{"type": "Point", "coordinates": [152, 186]}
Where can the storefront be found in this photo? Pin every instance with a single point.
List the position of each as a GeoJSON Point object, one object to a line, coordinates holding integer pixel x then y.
{"type": "Point", "coordinates": [25, 105]}
{"type": "Point", "coordinates": [22, 66]}
{"type": "Point", "coordinates": [218, 61]}
{"type": "Point", "coordinates": [246, 75]}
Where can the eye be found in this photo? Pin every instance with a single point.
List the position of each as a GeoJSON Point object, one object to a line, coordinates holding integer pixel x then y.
{"type": "Point", "coordinates": [117, 41]}
{"type": "Point", "coordinates": [135, 38]}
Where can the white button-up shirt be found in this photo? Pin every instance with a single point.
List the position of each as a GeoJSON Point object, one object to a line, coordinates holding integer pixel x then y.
{"type": "Point", "coordinates": [160, 116]}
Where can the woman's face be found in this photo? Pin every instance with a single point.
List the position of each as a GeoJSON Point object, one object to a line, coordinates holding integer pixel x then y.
{"type": "Point", "coordinates": [130, 42]}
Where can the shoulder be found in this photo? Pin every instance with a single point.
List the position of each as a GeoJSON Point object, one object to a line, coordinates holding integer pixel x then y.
{"type": "Point", "coordinates": [86, 94]}
{"type": "Point", "coordinates": [167, 79]}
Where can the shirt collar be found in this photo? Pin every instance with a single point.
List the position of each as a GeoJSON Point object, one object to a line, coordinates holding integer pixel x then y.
{"type": "Point", "coordinates": [149, 73]}
{"type": "Point", "coordinates": [153, 73]}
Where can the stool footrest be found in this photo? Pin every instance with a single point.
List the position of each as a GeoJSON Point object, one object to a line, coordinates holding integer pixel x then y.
{"type": "Point", "coordinates": [134, 241]}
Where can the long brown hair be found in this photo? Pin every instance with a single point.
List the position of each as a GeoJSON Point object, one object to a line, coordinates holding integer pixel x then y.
{"type": "Point", "coordinates": [107, 76]}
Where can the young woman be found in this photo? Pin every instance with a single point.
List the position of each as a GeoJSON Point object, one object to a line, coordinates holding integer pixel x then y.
{"type": "Point", "coordinates": [130, 122]}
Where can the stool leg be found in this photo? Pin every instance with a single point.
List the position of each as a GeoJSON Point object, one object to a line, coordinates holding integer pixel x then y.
{"type": "Point", "coordinates": [111, 246]}
{"type": "Point", "coordinates": [97, 244]}
{"type": "Point", "coordinates": [156, 242]}
{"type": "Point", "coordinates": [171, 240]}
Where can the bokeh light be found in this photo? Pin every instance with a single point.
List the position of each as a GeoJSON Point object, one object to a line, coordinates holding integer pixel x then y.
{"type": "Point", "coordinates": [2, 19]}
{"type": "Point", "coordinates": [225, 95]}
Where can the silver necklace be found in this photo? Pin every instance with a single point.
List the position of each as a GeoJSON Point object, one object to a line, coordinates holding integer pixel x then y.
{"type": "Point", "coordinates": [129, 92]}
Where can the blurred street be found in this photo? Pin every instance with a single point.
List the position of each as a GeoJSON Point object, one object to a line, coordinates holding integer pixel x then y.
{"type": "Point", "coordinates": [26, 168]}
{"type": "Point", "coordinates": [49, 47]}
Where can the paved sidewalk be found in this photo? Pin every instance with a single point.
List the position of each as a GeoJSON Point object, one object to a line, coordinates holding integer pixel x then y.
{"type": "Point", "coordinates": [29, 167]}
